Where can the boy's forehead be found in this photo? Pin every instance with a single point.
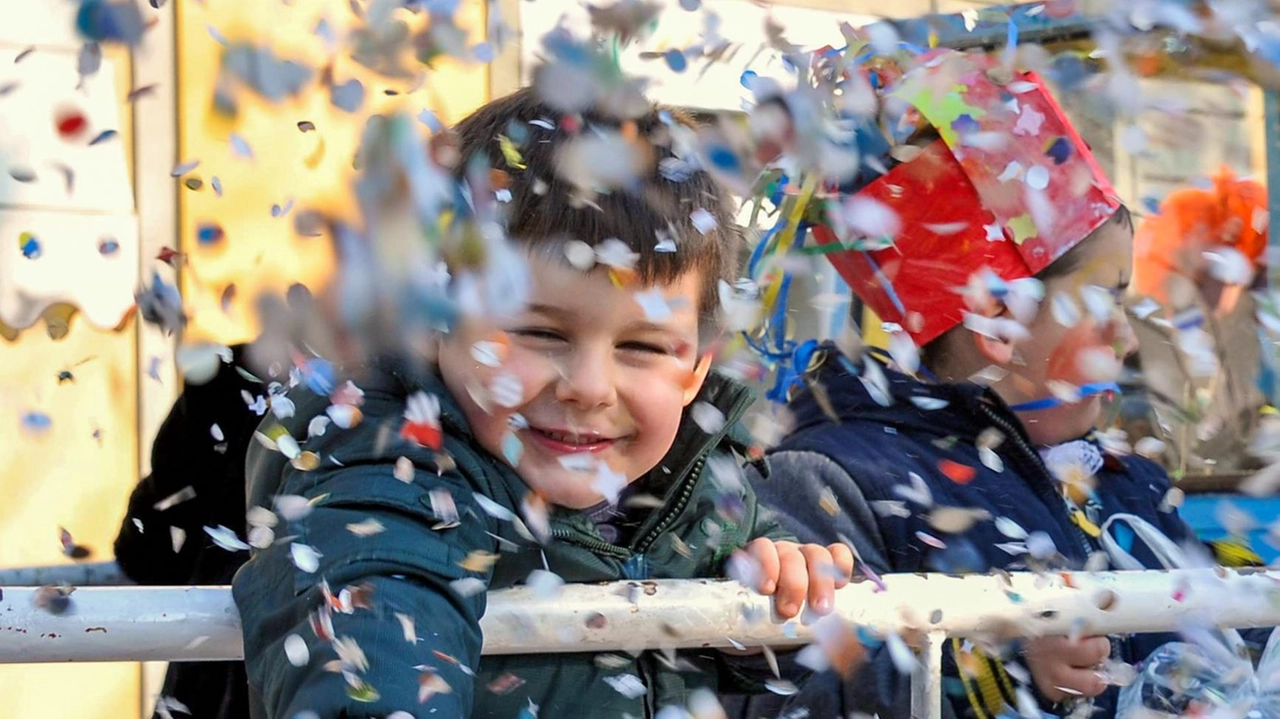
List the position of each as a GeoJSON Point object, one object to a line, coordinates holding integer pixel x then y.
{"type": "Point", "coordinates": [558, 283]}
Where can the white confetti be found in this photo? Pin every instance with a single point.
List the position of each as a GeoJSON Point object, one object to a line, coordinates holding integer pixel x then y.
{"type": "Point", "coordinates": [628, 685]}
{"type": "Point", "coordinates": [468, 586]}
{"type": "Point", "coordinates": [226, 538]}
{"type": "Point", "coordinates": [487, 353]}
{"type": "Point", "coordinates": [305, 557]}
{"type": "Point", "coordinates": [707, 416]}
{"type": "Point", "coordinates": [545, 585]}
{"type": "Point", "coordinates": [507, 390]}
{"type": "Point", "coordinates": [703, 221]}
{"type": "Point", "coordinates": [1037, 178]}
{"type": "Point", "coordinates": [317, 426]}
{"type": "Point", "coordinates": [1065, 310]}
{"type": "Point", "coordinates": [292, 507]}
{"type": "Point", "coordinates": [295, 649]}
{"type": "Point", "coordinates": [654, 304]}
{"type": "Point", "coordinates": [407, 625]}
{"type": "Point", "coordinates": [403, 470]}
{"type": "Point", "coordinates": [1010, 528]}
{"type": "Point", "coordinates": [492, 508]}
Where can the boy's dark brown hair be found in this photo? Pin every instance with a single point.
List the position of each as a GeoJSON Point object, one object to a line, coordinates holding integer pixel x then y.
{"type": "Point", "coordinates": [542, 209]}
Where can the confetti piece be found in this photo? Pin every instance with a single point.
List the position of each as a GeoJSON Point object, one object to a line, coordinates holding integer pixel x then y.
{"type": "Point", "coordinates": [278, 211]}
{"type": "Point", "coordinates": [478, 561]}
{"type": "Point", "coordinates": [628, 685]}
{"type": "Point", "coordinates": [306, 126]}
{"type": "Point", "coordinates": [492, 508]}
{"type": "Point", "coordinates": [295, 650]}
{"type": "Point", "coordinates": [956, 472]}
{"type": "Point", "coordinates": [292, 507]}
{"type": "Point", "coordinates": [226, 538]}
{"type": "Point", "coordinates": [70, 549]}
{"type": "Point", "coordinates": [185, 168]}
{"type": "Point", "coordinates": [506, 390]}
{"type": "Point", "coordinates": [103, 136]}
{"type": "Point", "coordinates": [305, 557]}
{"type": "Point", "coordinates": [468, 586]}
{"type": "Point", "coordinates": [173, 500]}
{"type": "Point", "coordinates": [430, 684]}
{"type": "Point", "coordinates": [240, 147]}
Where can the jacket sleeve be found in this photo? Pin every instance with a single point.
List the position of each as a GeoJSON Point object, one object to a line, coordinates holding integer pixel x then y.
{"type": "Point", "coordinates": [382, 624]}
{"type": "Point", "coordinates": [796, 490]}
{"type": "Point", "coordinates": [196, 480]}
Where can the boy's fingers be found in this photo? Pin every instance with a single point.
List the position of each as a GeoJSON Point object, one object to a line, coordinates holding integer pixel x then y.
{"type": "Point", "coordinates": [1088, 682]}
{"type": "Point", "coordinates": [822, 588]}
{"type": "Point", "coordinates": [1088, 652]}
{"type": "Point", "coordinates": [843, 557]}
{"type": "Point", "coordinates": [793, 580]}
{"type": "Point", "coordinates": [766, 553]}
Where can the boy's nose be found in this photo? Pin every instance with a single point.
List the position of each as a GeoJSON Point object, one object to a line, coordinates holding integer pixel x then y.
{"type": "Point", "coordinates": [1123, 337]}
{"type": "Point", "coordinates": [587, 380]}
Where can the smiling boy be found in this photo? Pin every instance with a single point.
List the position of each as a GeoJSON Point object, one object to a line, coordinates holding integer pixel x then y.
{"type": "Point", "coordinates": [577, 432]}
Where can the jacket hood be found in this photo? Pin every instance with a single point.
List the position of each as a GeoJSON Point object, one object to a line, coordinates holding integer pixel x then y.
{"type": "Point", "coordinates": [865, 390]}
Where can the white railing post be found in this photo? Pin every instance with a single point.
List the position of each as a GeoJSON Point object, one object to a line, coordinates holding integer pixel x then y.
{"type": "Point", "coordinates": [926, 680]}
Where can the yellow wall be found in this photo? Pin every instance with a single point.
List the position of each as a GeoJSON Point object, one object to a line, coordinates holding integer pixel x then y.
{"type": "Point", "coordinates": [313, 168]}
{"type": "Point", "coordinates": [67, 477]}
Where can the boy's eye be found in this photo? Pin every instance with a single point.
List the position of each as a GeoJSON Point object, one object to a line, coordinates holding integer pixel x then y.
{"type": "Point", "coordinates": [538, 333]}
{"type": "Point", "coordinates": [644, 347]}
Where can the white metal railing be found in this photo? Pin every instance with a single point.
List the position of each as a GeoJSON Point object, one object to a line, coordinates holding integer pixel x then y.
{"type": "Point", "coordinates": [84, 574]}
{"type": "Point", "coordinates": [201, 623]}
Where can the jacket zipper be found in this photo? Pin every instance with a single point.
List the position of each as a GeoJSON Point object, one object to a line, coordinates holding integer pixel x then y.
{"type": "Point", "coordinates": [686, 484]}
{"type": "Point", "coordinates": [595, 545]}
{"type": "Point", "coordinates": [684, 494]}
{"type": "Point", "coordinates": [1048, 494]}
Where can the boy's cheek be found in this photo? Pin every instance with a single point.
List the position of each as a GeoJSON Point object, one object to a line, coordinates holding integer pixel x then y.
{"type": "Point", "coordinates": [1083, 357]}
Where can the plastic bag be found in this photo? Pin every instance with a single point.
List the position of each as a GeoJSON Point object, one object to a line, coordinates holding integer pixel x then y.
{"type": "Point", "coordinates": [1182, 679]}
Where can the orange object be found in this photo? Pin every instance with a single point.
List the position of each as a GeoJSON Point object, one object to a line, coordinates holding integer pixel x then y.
{"type": "Point", "coordinates": [956, 472]}
{"type": "Point", "coordinates": [1192, 220]}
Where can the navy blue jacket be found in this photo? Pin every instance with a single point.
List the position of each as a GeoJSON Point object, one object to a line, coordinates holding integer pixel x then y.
{"type": "Point", "coordinates": [870, 449]}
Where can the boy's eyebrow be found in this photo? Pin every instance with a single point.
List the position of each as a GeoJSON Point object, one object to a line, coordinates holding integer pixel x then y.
{"type": "Point", "coordinates": [548, 310]}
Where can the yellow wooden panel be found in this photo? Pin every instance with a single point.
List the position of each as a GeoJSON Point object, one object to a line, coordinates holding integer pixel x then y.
{"type": "Point", "coordinates": [261, 252]}
{"type": "Point", "coordinates": [78, 475]}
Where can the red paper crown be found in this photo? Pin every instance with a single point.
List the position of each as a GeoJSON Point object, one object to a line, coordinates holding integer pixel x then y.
{"type": "Point", "coordinates": [1009, 187]}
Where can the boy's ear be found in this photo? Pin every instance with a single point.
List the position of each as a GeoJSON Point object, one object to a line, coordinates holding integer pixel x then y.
{"type": "Point", "coordinates": [699, 375]}
{"type": "Point", "coordinates": [998, 352]}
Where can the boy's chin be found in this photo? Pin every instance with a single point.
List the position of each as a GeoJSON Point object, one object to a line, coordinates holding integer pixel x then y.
{"type": "Point", "coordinates": [559, 487]}
{"type": "Point", "coordinates": [1063, 424]}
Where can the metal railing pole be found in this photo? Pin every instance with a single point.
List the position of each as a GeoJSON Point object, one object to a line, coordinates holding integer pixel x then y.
{"type": "Point", "coordinates": [88, 574]}
{"type": "Point", "coordinates": [926, 680]}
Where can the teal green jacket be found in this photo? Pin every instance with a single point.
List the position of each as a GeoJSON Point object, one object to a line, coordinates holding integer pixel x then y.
{"type": "Point", "coordinates": [402, 583]}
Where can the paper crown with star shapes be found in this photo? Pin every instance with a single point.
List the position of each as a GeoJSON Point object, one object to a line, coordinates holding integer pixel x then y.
{"type": "Point", "coordinates": [1007, 186]}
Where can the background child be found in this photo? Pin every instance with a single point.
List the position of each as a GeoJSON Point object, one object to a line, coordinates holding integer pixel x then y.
{"type": "Point", "coordinates": [568, 430]}
{"type": "Point", "coordinates": [985, 460]}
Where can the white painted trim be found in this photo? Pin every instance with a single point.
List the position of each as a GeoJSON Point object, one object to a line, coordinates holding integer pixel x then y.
{"type": "Point", "coordinates": [155, 148]}
{"type": "Point", "coordinates": [155, 152]}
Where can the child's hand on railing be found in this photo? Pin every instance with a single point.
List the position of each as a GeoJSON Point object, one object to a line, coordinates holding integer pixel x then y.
{"type": "Point", "coordinates": [1064, 668]}
{"type": "Point", "coordinates": [791, 572]}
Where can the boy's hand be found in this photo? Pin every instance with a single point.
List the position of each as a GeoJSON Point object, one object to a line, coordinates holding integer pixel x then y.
{"type": "Point", "coordinates": [791, 572]}
{"type": "Point", "coordinates": [1064, 669]}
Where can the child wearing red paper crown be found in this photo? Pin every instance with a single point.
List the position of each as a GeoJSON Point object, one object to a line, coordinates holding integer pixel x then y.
{"type": "Point", "coordinates": [1196, 260]}
{"type": "Point", "coordinates": [1007, 255]}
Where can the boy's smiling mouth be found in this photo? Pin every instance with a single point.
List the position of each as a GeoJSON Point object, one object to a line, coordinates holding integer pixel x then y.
{"type": "Point", "coordinates": [566, 441]}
